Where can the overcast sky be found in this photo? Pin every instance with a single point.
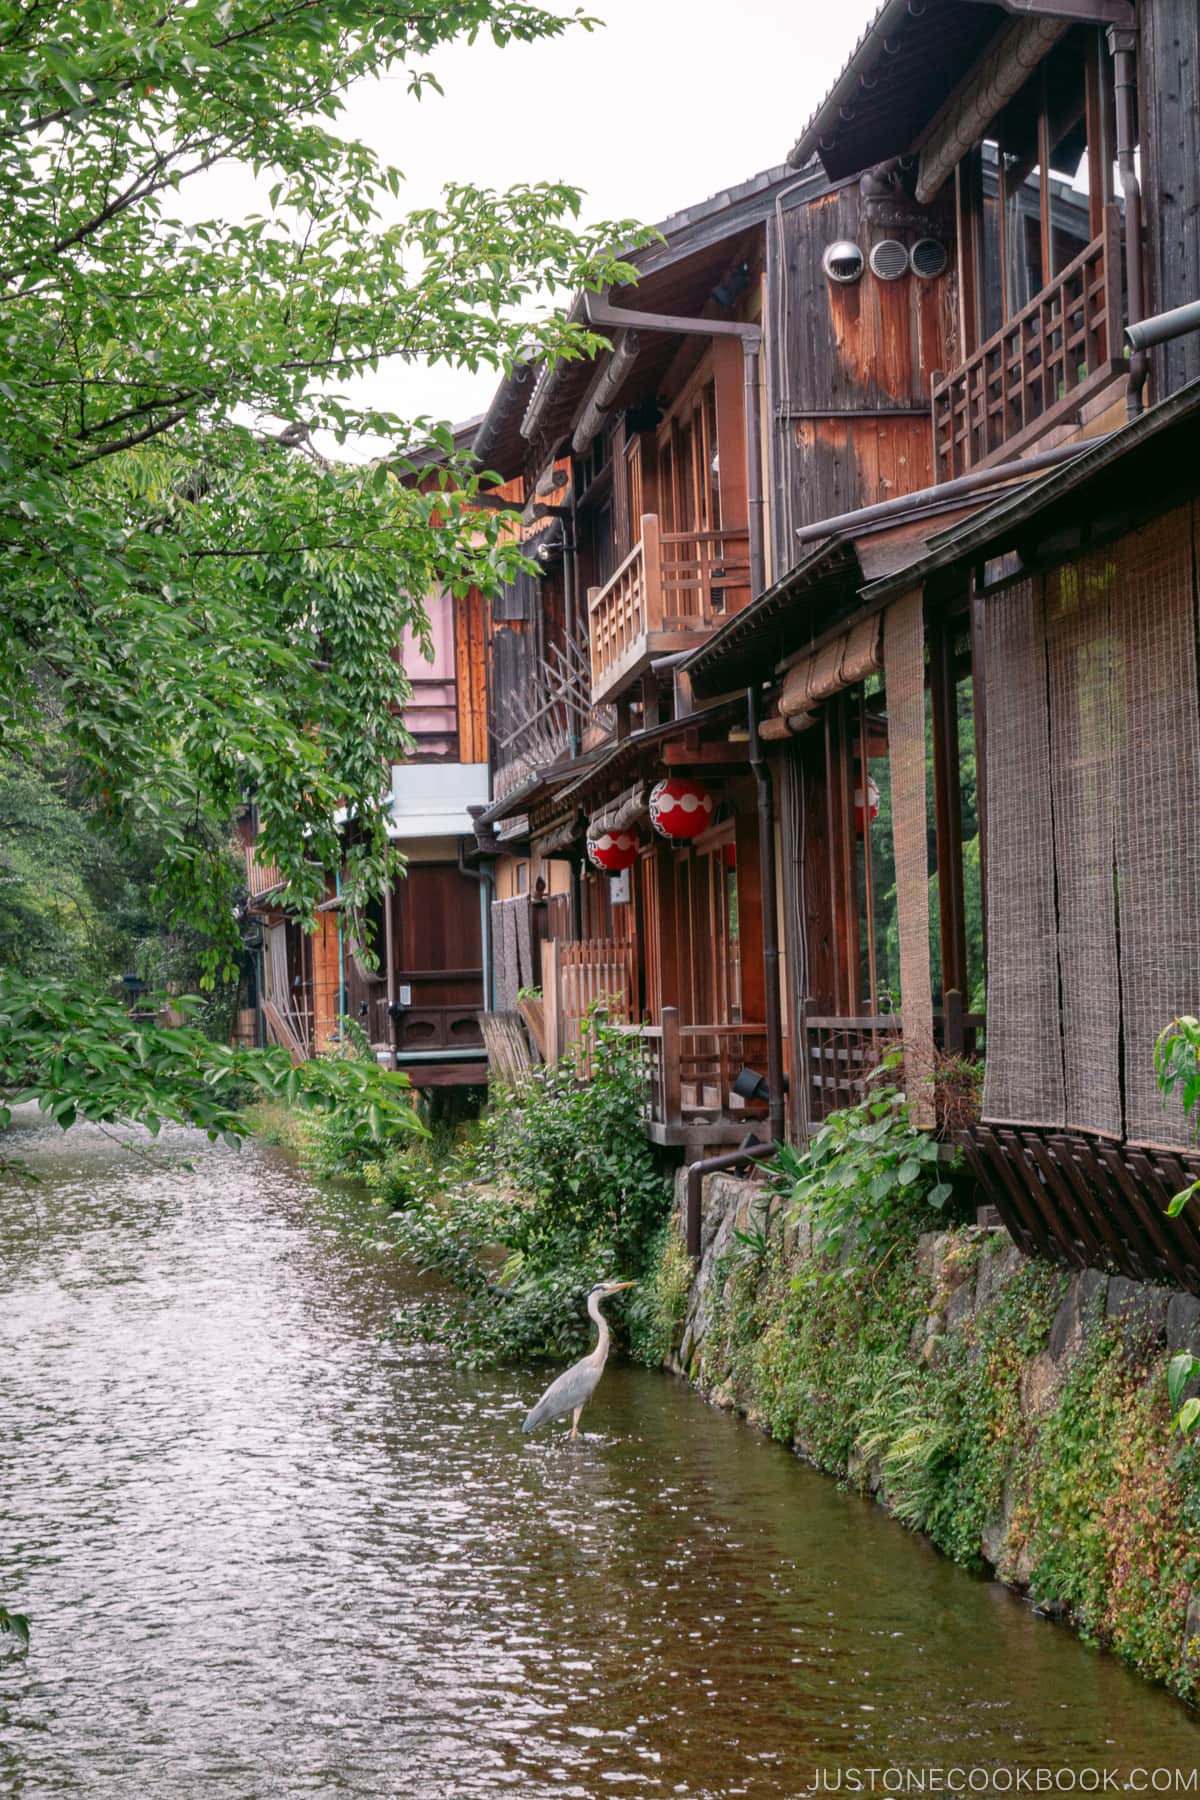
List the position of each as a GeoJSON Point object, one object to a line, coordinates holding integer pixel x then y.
{"type": "Point", "coordinates": [666, 103]}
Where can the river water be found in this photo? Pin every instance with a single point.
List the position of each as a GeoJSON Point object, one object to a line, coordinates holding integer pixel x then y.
{"type": "Point", "coordinates": [266, 1552]}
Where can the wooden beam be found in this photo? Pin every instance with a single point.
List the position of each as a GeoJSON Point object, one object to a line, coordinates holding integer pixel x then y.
{"type": "Point", "coordinates": [683, 756]}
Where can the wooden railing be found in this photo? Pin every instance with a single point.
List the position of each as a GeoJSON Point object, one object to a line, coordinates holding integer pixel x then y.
{"type": "Point", "coordinates": [1039, 367]}
{"type": "Point", "coordinates": [672, 585]}
{"type": "Point", "coordinates": [260, 877]}
{"type": "Point", "coordinates": [689, 1070]}
{"type": "Point", "coordinates": [577, 976]}
{"type": "Point", "coordinates": [840, 1053]}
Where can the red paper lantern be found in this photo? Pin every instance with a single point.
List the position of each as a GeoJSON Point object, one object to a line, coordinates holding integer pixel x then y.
{"type": "Point", "coordinates": [680, 807]}
{"type": "Point", "coordinates": [872, 808]}
{"type": "Point", "coordinates": [613, 851]}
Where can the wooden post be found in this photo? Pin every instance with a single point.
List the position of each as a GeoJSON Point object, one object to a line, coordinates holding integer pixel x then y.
{"type": "Point", "coordinates": [952, 1041]}
{"type": "Point", "coordinates": [671, 1074]}
{"type": "Point", "coordinates": [652, 590]}
{"type": "Point", "coordinates": [551, 989]}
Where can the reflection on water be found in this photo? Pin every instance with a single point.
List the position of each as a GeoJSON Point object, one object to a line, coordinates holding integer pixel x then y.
{"type": "Point", "coordinates": [268, 1554]}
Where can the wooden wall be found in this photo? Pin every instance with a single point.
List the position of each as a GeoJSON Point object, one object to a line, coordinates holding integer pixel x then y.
{"type": "Point", "coordinates": [849, 366]}
{"type": "Point", "coordinates": [470, 661]}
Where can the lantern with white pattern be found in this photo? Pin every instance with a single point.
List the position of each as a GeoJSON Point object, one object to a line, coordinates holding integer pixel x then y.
{"type": "Point", "coordinates": [680, 808]}
{"type": "Point", "coordinates": [612, 851]}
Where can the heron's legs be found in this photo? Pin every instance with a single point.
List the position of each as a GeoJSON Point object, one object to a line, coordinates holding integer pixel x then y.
{"type": "Point", "coordinates": [575, 1421]}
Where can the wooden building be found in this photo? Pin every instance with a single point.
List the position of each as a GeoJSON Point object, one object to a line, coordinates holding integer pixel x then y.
{"type": "Point", "coordinates": [979, 694]}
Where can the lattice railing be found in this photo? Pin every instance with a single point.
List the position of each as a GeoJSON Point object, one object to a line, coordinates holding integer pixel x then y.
{"type": "Point", "coordinates": [671, 581]}
{"type": "Point", "coordinates": [689, 1070]}
{"type": "Point", "coordinates": [1039, 366]}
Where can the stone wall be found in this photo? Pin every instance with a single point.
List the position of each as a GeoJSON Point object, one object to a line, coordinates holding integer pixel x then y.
{"type": "Point", "coordinates": [1083, 1340]}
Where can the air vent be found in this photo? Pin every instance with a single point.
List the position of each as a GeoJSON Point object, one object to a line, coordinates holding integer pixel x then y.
{"type": "Point", "coordinates": [843, 261]}
{"type": "Point", "coordinates": [889, 259]}
{"type": "Point", "coordinates": [928, 258]}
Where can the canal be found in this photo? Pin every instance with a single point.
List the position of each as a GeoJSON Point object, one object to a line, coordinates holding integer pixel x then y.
{"type": "Point", "coordinates": [266, 1552]}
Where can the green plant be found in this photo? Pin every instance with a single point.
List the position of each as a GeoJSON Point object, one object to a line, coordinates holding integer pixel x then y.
{"type": "Point", "coordinates": [558, 1189]}
{"type": "Point", "coordinates": [1177, 1067]}
{"type": "Point", "coordinates": [16, 1623]}
{"type": "Point", "coordinates": [869, 1176]}
{"type": "Point", "coordinates": [657, 1307]}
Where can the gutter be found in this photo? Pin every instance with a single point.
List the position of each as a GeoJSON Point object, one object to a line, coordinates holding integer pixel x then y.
{"type": "Point", "coordinates": [973, 483]}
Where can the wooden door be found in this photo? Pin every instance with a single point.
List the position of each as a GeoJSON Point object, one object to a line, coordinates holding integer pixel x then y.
{"type": "Point", "coordinates": [439, 959]}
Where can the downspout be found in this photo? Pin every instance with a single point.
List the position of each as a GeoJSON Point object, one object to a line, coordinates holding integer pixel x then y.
{"type": "Point", "coordinates": [337, 876]}
{"type": "Point", "coordinates": [485, 875]}
{"type": "Point", "coordinates": [1122, 42]}
{"type": "Point", "coordinates": [389, 937]}
{"type": "Point", "coordinates": [750, 1151]}
{"type": "Point", "coordinates": [600, 312]}
{"type": "Point", "coordinates": [571, 601]}
{"type": "Point", "coordinates": [770, 922]}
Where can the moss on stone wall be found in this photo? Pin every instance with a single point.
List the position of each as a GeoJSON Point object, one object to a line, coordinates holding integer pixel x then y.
{"type": "Point", "coordinates": [1015, 1413]}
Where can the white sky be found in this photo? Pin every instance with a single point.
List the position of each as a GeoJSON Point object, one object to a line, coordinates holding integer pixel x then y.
{"type": "Point", "coordinates": [666, 103]}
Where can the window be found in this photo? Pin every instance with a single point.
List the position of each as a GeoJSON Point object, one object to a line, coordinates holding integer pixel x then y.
{"type": "Point", "coordinates": [1032, 195]}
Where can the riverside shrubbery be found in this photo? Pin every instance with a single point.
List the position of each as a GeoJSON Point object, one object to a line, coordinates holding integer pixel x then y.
{"type": "Point", "coordinates": [558, 1190]}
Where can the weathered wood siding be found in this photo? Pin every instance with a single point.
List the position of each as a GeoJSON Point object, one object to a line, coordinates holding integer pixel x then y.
{"type": "Point", "coordinates": [470, 657]}
{"type": "Point", "coordinates": [849, 366]}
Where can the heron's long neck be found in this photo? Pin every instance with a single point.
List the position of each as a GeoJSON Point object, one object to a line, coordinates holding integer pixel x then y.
{"type": "Point", "coordinates": [600, 1353]}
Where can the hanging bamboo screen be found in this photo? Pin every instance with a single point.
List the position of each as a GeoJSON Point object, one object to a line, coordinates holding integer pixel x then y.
{"type": "Point", "coordinates": [1023, 1072]}
{"type": "Point", "coordinates": [904, 676]}
{"type": "Point", "coordinates": [1158, 811]}
{"type": "Point", "coordinates": [1080, 654]}
{"type": "Point", "coordinates": [1093, 836]}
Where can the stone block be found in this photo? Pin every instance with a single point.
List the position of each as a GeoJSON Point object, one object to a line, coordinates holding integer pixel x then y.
{"type": "Point", "coordinates": [1141, 1311]}
{"type": "Point", "coordinates": [1183, 1324]}
{"type": "Point", "coordinates": [1041, 1382]}
{"type": "Point", "coordinates": [1190, 1648]}
{"type": "Point", "coordinates": [960, 1307]}
{"type": "Point", "coordinates": [997, 1266]}
{"type": "Point", "coordinates": [1082, 1305]}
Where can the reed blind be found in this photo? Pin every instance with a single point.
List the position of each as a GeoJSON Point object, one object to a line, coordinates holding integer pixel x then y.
{"type": "Point", "coordinates": [904, 676]}
{"type": "Point", "coordinates": [1093, 835]}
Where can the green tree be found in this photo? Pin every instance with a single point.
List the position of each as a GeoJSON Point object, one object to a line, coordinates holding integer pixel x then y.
{"type": "Point", "coordinates": [201, 598]}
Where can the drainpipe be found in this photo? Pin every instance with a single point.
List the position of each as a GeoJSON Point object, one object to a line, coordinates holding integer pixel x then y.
{"type": "Point", "coordinates": [770, 922]}
{"type": "Point", "coordinates": [974, 483]}
{"type": "Point", "coordinates": [750, 1151]}
{"type": "Point", "coordinates": [571, 600]}
{"type": "Point", "coordinates": [1122, 42]}
{"type": "Point", "coordinates": [600, 312]}
{"type": "Point", "coordinates": [389, 936]}
{"type": "Point", "coordinates": [337, 876]}
{"type": "Point", "coordinates": [485, 875]}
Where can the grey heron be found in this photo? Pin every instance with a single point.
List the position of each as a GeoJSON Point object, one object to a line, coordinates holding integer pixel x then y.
{"type": "Point", "coordinates": [576, 1385]}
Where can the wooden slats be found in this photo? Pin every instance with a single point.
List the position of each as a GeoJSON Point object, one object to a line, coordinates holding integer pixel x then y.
{"type": "Point", "coordinates": [1039, 366]}
{"type": "Point", "coordinates": [671, 583]}
{"type": "Point", "coordinates": [1081, 1200]}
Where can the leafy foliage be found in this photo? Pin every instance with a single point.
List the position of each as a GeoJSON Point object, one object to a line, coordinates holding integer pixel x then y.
{"type": "Point", "coordinates": [560, 1190]}
{"type": "Point", "coordinates": [79, 1055]}
{"type": "Point", "coordinates": [200, 597]}
{"type": "Point", "coordinates": [17, 1624]}
{"type": "Point", "coordinates": [1073, 1484]}
{"type": "Point", "coordinates": [869, 1177]}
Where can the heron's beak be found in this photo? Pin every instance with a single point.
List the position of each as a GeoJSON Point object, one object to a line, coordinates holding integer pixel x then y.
{"type": "Point", "coordinates": [614, 1287]}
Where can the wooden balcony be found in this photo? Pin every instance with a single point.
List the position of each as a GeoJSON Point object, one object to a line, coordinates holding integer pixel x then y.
{"type": "Point", "coordinates": [689, 1072]}
{"type": "Point", "coordinates": [672, 589]}
{"type": "Point", "coordinates": [1040, 367]}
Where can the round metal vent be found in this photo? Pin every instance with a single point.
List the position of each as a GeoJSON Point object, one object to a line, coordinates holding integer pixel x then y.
{"type": "Point", "coordinates": [889, 259]}
{"type": "Point", "coordinates": [928, 258]}
{"type": "Point", "coordinates": [842, 261]}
